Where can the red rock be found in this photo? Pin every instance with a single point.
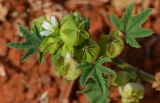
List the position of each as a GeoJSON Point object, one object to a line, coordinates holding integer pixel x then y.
{"type": "Point", "coordinates": [3, 47]}
{"type": "Point", "coordinates": [43, 68]}
{"type": "Point", "coordinates": [96, 21]}
{"type": "Point", "coordinates": [82, 99]}
{"type": "Point", "coordinates": [8, 31]}
{"type": "Point", "coordinates": [14, 56]}
{"type": "Point", "coordinates": [114, 94]}
{"type": "Point", "coordinates": [156, 26]}
{"type": "Point", "coordinates": [30, 95]}
{"type": "Point", "coordinates": [28, 65]}
{"type": "Point", "coordinates": [53, 101]}
{"type": "Point", "coordinates": [52, 91]}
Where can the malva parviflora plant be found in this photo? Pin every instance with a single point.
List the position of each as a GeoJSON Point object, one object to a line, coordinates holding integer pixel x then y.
{"type": "Point", "coordinates": [76, 55]}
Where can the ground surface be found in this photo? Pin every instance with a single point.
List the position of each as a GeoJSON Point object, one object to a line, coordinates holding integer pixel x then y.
{"type": "Point", "coordinates": [31, 82]}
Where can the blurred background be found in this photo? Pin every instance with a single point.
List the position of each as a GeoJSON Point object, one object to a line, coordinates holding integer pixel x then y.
{"type": "Point", "coordinates": [30, 82]}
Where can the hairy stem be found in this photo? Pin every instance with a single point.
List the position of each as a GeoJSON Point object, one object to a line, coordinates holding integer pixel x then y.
{"type": "Point", "coordinates": [143, 75]}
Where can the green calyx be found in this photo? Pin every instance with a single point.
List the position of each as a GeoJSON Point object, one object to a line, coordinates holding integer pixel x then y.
{"type": "Point", "coordinates": [132, 93]}
{"type": "Point", "coordinates": [36, 25]}
{"type": "Point", "coordinates": [87, 51]}
{"type": "Point", "coordinates": [66, 67]}
{"type": "Point", "coordinates": [50, 44]}
{"type": "Point", "coordinates": [73, 30]}
{"type": "Point", "coordinates": [70, 70]}
{"type": "Point", "coordinates": [111, 45]}
{"type": "Point", "coordinates": [67, 49]}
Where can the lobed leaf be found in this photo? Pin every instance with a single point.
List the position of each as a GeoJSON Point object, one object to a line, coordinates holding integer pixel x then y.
{"type": "Point", "coordinates": [131, 25]}
{"type": "Point", "coordinates": [94, 95]}
{"type": "Point", "coordinates": [30, 52]}
{"type": "Point", "coordinates": [24, 45]}
{"type": "Point", "coordinates": [31, 44]}
{"type": "Point", "coordinates": [96, 71]}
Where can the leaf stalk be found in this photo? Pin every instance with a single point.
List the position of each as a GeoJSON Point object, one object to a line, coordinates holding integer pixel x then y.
{"type": "Point", "coordinates": [143, 75]}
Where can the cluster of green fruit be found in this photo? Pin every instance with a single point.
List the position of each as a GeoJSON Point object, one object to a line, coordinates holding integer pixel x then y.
{"type": "Point", "coordinates": [71, 42]}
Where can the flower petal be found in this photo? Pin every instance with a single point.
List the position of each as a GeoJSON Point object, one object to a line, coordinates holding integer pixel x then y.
{"type": "Point", "coordinates": [45, 33]}
{"type": "Point", "coordinates": [68, 56]}
{"type": "Point", "coordinates": [46, 25]}
{"type": "Point", "coordinates": [53, 20]}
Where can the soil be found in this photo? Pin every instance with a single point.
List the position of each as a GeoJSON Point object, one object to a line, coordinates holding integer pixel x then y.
{"type": "Point", "coordinates": [30, 82]}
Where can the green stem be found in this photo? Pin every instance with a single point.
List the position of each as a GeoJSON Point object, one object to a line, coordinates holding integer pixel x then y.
{"type": "Point", "coordinates": [143, 75]}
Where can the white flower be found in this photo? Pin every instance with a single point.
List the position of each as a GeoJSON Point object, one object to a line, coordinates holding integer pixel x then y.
{"type": "Point", "coordinates": [68, 56]}
{"type": "Point", "coordinates": [49, 27]}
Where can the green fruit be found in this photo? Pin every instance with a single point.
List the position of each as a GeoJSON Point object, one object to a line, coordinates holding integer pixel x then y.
{"type": "Point", "coordinates": [67, 49]}
{"type": "Point", "coordinates": [111, 45]}
{"type": "Point", "coordinates": [132, 93]}
{"type": "Point", "coordinates": [87, 51]}
{"type": "Point", "coordinates": [66, 68]}
{"type": "Point", "coordinates": [50, 44]}
{"type": "Point", "coordinates": [72, 31]}
{"type": "Point", "coordinates": [58, 62]}
{"type": "Point", "coordinates": [70, 70]}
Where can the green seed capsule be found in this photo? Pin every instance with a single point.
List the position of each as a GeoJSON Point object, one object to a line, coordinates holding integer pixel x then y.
{"type": "Point", "coordinates": [73, 30]}
{"type": "Point", "coordinates": [66, 67]}
{"type": "Point", "coordinates": [111, 45]}
{"type": "Point", "coordinates": [50, 44]}
{"type": "Point", "coordinates": [58, 62]}
{"type": "Point", "coordinates": [132, 93]}
{"type": "Point", "coordinates": [87, 51]}
{"type": "Point", "coordinates": [70, 70]}
{"type": "Point", "coordinates": [67, 49]}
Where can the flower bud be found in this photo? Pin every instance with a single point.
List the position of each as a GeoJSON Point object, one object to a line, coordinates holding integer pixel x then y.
{"type": "Point", "coordinates": [50, 44]}
{"type": "Point", "coordinates": [111, 45]}
{"type": "Point", "coordinates": [73, 30]}
{"type": "Point", "coordinates": [132, 93]}
{"type": "Point", "coordinates": [87, 51]}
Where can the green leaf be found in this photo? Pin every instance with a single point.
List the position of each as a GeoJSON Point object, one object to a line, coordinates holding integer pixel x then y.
{"type": "Point", "coordinates": [31, 44]}
{"type": "Point", "coordinates": [132, 41]}
{"type": "Point", "coordinates": [131, 26]}
{"type": "Point", "coordinates": [115, 21]}
{"type": "Point", "coordinates": [31, 51]}
{"type": "Point", "coordinates": [26, 33]}
{"type": "Point", "coordinates": [40, 57]}
{"type": "Point", "coordinates": [36, 25]}
{"type": "Point", "coordinates": [24, 45]}
{"type": "Point", "coordinates": [138, 20]}
{"type": "Point", "coordinates": [96, 71]}
{"type": "Point", "coordinates": [144, 33]}
{"type": "Point", "coordinates": [94, 95]}
{"type": "Point", "coordinates": [126, 17]}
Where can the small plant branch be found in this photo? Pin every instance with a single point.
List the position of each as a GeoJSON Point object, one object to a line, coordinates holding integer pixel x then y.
{"type": "Point", "coordinates": [143, 75]}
